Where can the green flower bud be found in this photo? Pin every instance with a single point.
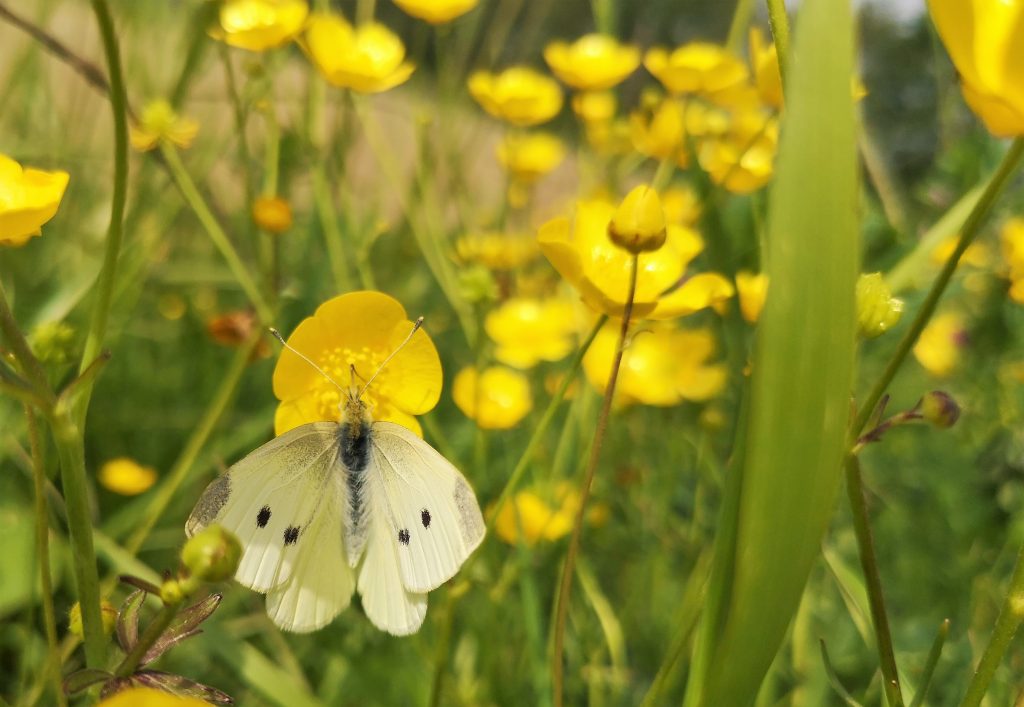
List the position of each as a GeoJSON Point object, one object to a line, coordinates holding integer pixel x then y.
{"type": "Point", "coordinates": [639, 223]}
{"type": "Point", "coordinates": [108, 614]}
{"type": "Point", "coordinates": [477, 285]}
{"type": "Point", "coordinates": [212, 555]}
{"type": "Point", "coordinates": [52, 342]}
{"type": "Point", "coordinates": [939, 408]}
{"type": "Point", "coordinates": [877, 310]}
{"type": "Point", "coordinates": [171, 592]}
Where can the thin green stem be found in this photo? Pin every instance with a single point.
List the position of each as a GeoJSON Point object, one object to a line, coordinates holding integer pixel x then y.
{"type": "Point", "coordinates": [213, 229]}
{"type": "Point", "coordinates": [1010, 617]}
{"type": "Point", "coordinates": [740, 22]}
{"type": "Point", "coordinates": [441, 662]}
{"type": "Point", "coordinates": [779, 23]}
{"type": "Point", "coordinates": [869, 564]}
{"type": "Point", "coordinates": [42, 513]}
{"type": "Point", "coordinates": [929, 666]}
{"type": "Point", "coordinates": [970, 229]}
{"type": "Point", "coordinates": [30, 366]}
{"type": "Point", "coordinates": [568, 569]}
{"type": "Point", "coordinates": [542, 426]}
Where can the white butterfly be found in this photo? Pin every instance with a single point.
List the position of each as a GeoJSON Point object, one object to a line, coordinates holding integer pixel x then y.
{"type": "Point", "coordinates": [330, 507]}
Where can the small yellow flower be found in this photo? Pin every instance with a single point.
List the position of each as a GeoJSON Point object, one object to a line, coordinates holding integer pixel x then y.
{"type": "Point", "coordinates": [593, 62]}
{"type": "Point", "coordinates": [661, 367]}
{"type": "Point", "coordinates": [527, 331]}
{"type": "Point", "coordinates": [984, 40]}
{"type": "Point", "coordinates": [594, 106]}
{"type": "Point", "coordinates": [497, 399]}
{"type": "Point", "coordinates": [529, 518]}
{"type": "Point", "coordinates": [258, 25]}
{"type": "Point", "coordinates": [752, 291]}
{"type": "Point", "coordinates": [682, 205]}
{"type": "Point", "coordinates": [938, 348]}
{"type": "Point", "coordinates": [660, 133]}
{"type": "Point", "coordinates": [1011, 237]}
{"type": "Point", "coordinates": [519, 95]}
{"type": "Point", "coordinates": [367, 59]}
{"type": "Point", "coordinates": [767, 77]}
{"type": "Point", "coordinates": [638, 225]}
{"type": "Point", "coordinates": [738, 162]}
{"type": "Point", "coordinates": [126, 476]}
{"type": "Point", "coordinates": [28, 199]}
{"type": "Point", "coordinates": [160, 121]}
{"type": "Point", "coordinates": [582, 253]}
{"type": "Point", "coordinates": [977, 254]}
{"type": "Point", "coordinates": [272, 214]}
{"type": "Point", "coordinates": [497, 251]}
{"type": "Point", "coordinates": [108, 615]}
{"type": "Point", "coordinates": [529, 156]}
{"type": "Point", "coordinates": [437, 12]}
{"type": "Point", "coordinates": [150, 697]}
{"type": "Point", "coordinates": [877, 310]}
{"type": "Point", "coordinates": [357, 331]}
{"type": "Point", "coordinates": [699, 67]}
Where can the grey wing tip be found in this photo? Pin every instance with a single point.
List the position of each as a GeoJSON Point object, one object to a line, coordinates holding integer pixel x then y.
{"type": "Point", "coordinates": [209, 505]}
{"type": "Point", "coordinates": [471, 521]}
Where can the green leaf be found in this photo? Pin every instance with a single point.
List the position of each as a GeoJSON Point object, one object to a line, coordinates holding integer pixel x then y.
{"type": "Point", "coordinates": [779, 499]}
{"type": "Point", "coordinates": [261, 674]}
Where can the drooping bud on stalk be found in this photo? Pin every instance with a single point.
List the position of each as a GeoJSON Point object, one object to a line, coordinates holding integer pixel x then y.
{"type": "Point", "coordinates": [639, 223]}
{"type": "Point", "coordinates": [939, 408]}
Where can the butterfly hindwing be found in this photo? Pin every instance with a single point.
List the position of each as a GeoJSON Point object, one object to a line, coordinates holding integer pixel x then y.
{"type": "Point", "coordinates": [432, 515]}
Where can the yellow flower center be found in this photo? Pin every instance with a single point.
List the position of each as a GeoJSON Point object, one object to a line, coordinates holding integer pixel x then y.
{"type": "Point", "coordinates": [338, 363]}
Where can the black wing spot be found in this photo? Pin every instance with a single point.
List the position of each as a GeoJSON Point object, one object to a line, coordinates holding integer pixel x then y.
{"type": "Point", "coordinates": [291, 535]}
{"type": "Point", "coordinates": [263, 517]}
{"type": "Point", "coordinates": [425, 517]}
{"type": "Point", "coordinates": [403, 536]}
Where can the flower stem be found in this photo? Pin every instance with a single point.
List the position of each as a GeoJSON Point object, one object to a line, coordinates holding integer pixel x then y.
{"type": "Point", "coordinates": [1010, 618]}
{"type": "Point", "coordinates": [150, 636]}
{"type": "Point", "coordinates": [869, 564]}
{"type": "Point", "coordinates": [779, 23]}
{"type": "Point", "coordinates": [568, 569]}
{"type": "Point", "coordinates": [29, 364]}
{"type": "Point", "coordinates": [217, 235]}
{"type": "Point", "coordinates": [42, 513]}
{"type": "Point", "coordinates": [739, 24]}
{"type": "Point", "coordinates": [1011, 160]}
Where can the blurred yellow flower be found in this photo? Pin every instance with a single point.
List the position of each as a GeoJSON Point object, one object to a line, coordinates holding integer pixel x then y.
{"type": "Point", "coordinates": [765, 60]}
{"type": "Point", "coordinates": [985, 40]}
{"type": "Point", "coordinates": [752, 291]}
{"type": "Point", "coordinates": [663, 366]}
{"type": "Point", "coordinates": [659, 132]}
{"type": "Point", "coordinates": [518, 95]}
{"type": "Point", "coordinates": [437, 12]}
{"type": "Point", "coordinates": [529, 156]}
{"type": "Point", "coordinates": [877, 310]}
{"type": "Point", "coordinates": [699, 67]}
{"type": "Point", "coordinates": [1011, 237]}
{"type": "Point", "coordinates": [527, 331]}
{"type": "Point", "coordinates": [150, 697]}
{"type": "Point", "coordinates": [594, 106]}
{"type": "Point", "coordinates": [497, 251]}
{"type": "Point", "coordinates": [582, 253]}
{"type": "Point", "coordinates": [939, 346]}
{"type": "Point", "coordinates": [638, 224]}
{"type": "Point", "coordinates": [681, 204]}
{"type": "Point", "coordinates": [258, 25]}
{"type": "Point", "coordinates": [593, 62]}
{"type": "Point", "coordinates": [367, 59]}
{"type": "Point", "coordinates": [272, 213]}
{"type": "Point", "coordinates": [126, 476]}
{"type": "Point", "coordinates": [977, 254]}
{"type": "Point", "coordinates": [497, 399]}
{"type": "Point", "coordinates": [108, 617]}
{"type": "Point", "coordinates": [159, 121]}
{"type": "Point", "coordinates": [742, 161]}
{"type": "Point", "coordinates": [357, 330]}
{"type": "Point", "coordinates": [28, 199]}
{"type": "Point", "coordinates": [529, 518]}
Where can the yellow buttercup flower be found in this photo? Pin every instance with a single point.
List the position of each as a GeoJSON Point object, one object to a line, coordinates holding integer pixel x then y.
{"type": "Point", "coordinates": [159, 121]}
{"type": "Point", "coordinates": [752, 291]}
{"type": "Point", "coordinates": [437, 12]}
{"type": "Point", "coordinates": [582, 253]}
{"type": "Point", "coordinates": [519, 95]}
{"type": "Point", "coordinates": [28, 199]}
{"type": "Point", "coordinates": [681, 204]}
{"type": "Point", "coordinates": [742, 161]}
{"type": "Point", "coordinates": [529, 156]}
{"type": "Point", "coordinates": [258, 25]}
{"type": "Point", "coordinates": [496, 399]}
{"type": "Point", "coordinates": [357, 331]}
{"type": "Point", "coordinates": [528, 518]}
{"type": "Point", "coordinates": [594, 106]}
{"type": "Point", "coordinates": [1011, 237]}
{"type": "Point", "coordinates": [367, 59]}
{"type": "Point", "coordinates": [939, 346]}
{"type": "Point", "coordinates": [150, 697]}
{"type": "Point", "coordinates": [985, 42]}
{"type": "Point", "coordinates": [660, 132]}
{"type": "Point", "coordinates": [497, 251]}
{"type": "Point", "coordinates": [527, 331]}
{"type": "Point", "coordinates": [126, 476]}
{"type": "Point", "coordinates": [593, 62]}
{"type": "Point", "coordinates": [272, 214]}
{"type": "Point", "coordinates": [661, 367]}
{"type": "Point", "coordinates": [699, 67]}
{"type": "Point", "coordinates": [977, 254]}
{"type": "Point", "coordinates": [767, 76]}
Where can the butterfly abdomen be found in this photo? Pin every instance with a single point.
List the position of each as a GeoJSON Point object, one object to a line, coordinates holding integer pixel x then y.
{"type": "Point", "coordinates": [354, 450]}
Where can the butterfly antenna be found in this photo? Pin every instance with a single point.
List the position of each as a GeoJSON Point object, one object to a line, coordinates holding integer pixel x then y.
{"type": "Point", "coordinates": [415, 327]}
{"type": "Point", "coordinates": [304, 357]}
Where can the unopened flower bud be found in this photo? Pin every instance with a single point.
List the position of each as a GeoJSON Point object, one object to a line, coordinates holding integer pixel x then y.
{"type": "Point", "coordinates": [639, 223]}
{"type": "Point", "coordinates": [272, 213]}
{"type": "Point", "coordinates": [939, 408]}
{"type": "Point", "coordinates": [477, 285]}
{"type": "Point", "coordinates": [212, 555]}
{"type": "Point", "coordinates": [108, 615]}
{"type": "Point", "coordinates": [171, 591]}
{"type": "Point", "coordinates": [877, 310]}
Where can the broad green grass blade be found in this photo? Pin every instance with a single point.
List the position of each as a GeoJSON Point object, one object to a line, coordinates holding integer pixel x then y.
{"type": "Point", "coordinates": [802, 375]}
{"type": "Point", "coordinates": [263, 675]}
